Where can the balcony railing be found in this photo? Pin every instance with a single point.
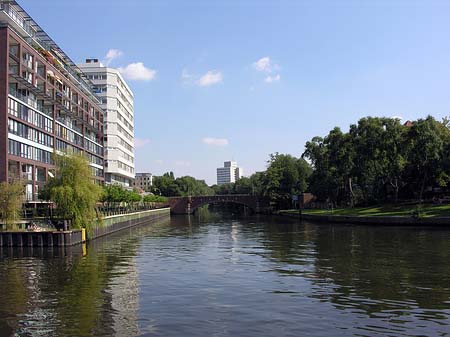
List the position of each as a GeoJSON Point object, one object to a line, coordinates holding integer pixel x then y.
{"type": "Point", "coordinates": [18, 19]}
{"type": "Point", "coordinates": [73, 75]}
{"type": "Point", "coordinates": [24, 98]}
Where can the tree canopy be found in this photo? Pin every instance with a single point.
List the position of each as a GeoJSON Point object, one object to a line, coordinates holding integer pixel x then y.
{"type": "Point", "coordinates": [11, 198]}
{"type": "Point", "coordinates": [73, 190]}
{"type": "Point", "coordinates": [169, 186]}
{"type": "Point", "coordinates": [379, 159]}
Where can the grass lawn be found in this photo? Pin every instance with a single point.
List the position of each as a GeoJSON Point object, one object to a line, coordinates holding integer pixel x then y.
{"type": "Point", "coordinates": [427, 210]}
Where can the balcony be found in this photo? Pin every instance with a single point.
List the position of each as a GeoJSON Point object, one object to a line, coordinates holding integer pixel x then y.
{"type": "Point", "coordinates": [17, 19]}
{"type": "Point", "coordinates": [24, 98]}
{"type": "Point", "coordinates": [24, 25]}
{"type": "Point", "coordinates": [14, 52]}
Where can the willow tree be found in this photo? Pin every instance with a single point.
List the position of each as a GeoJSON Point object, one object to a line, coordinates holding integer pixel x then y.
{"type": "Point", "coordinates": [73, 190]}
{"type": "Point", "coordinates": [11, 199]}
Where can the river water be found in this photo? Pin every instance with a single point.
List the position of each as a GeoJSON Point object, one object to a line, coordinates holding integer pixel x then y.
{"type": "Point", "coordinates": [231, 276]}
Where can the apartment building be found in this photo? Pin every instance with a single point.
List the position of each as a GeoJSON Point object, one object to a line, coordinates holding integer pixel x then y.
{"type": "Point", "coordinates": [143, 181]}
{"type": "Point", "coordinates": [47, 104]}
{"type": "Point", "coordinates": [229, 173]}
{"type": "Point", "coordinates": [117, 101]}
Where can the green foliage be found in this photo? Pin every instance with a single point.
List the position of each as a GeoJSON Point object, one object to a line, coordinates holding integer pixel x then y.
{"type": "Point", "coordinates": [168, 186]}
{"type": "Point", "coordinates": [155, 198]}
{"type": "Point", "coordinates": [285, 176]}
{"type": "Point", "coordinates": [417, 213]}
{"type": "Point", "coordinates": [243, 186]}
{"type": "Point", "coordinates": [73, 190]}
{"type": "Point", "coordinates": [427, 141]}
{"type": "Point", "coordinates": [380, 159]}
{"type": "Point", "coordinates": [11, 199]}
{"type": "Point", "coordinates": [118, 194]}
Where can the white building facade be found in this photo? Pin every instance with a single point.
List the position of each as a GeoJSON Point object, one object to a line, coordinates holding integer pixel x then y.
{"type": "Point", "coordinates": [229, 173]}
{"type": "Point", "coordinates": [117, 101]}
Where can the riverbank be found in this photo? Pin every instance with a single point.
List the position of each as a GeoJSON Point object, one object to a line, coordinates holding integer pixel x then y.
{"type": "Point", "coordinates": [110, 224]}
{"type": "Point", "coordinates": [387, 214]}
{"type": "Point", "coordinates": [119, 222]}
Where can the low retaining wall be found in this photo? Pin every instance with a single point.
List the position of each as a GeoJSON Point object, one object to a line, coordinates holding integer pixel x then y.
{"type": "Point", "coordinates": [41, 239]}
{"type": "Point", "coordinates": [116, 223]}
{"type": "Point", "coordinates": [380, 220]}
{"type": "Point", "coordinates": [110, 225]}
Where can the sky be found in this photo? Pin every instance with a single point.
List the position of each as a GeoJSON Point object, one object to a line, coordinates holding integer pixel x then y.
{"type": "Point", "coordinates": [216, 80]}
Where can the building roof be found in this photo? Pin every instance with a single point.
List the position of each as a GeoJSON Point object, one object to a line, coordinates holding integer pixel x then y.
{"type": "Point", "coordinates": [44, 40]}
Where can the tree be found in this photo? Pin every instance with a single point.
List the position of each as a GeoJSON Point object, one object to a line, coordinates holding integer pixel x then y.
{"type": "Point", "coordinates": [380, 156]}
{"type": "Point", "coordinates": [426, 151]}
{"type": "Point", "coordinates": [11, 199]}
{"type": "Point", "coordinates": [190, 186]}
{"type": "Point", "coordinates": [168, 186]}
{"type": "Point", "coordinates": [394, 154]}
{"type": "Point", "coordinates": [321, 182]}
{"type": "Point", "coordinates": [258, 183]}
{"type": "Point", "coordinates": [113, 194]}
{"type": "Point", "coordinates": [73, 190]}
{"type": "Point", "coordinates": [285, 176]}
{"type": "Point", "coordinates": [243, 186]}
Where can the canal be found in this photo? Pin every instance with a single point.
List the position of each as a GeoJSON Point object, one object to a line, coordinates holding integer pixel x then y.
{"type": "Point", "coordinates": [224, 275]}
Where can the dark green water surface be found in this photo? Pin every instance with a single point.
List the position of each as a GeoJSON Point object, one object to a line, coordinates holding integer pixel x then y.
{"type": "Point", "coordinates": [227, 276]}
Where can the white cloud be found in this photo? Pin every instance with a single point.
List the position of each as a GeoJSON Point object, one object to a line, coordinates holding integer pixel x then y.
{"type": "Point", "coordinates": [111, 55]}
{"type": "Point", "coordinates": [266, 65]}
{"type": "Point", "coordinates": [182, 163]}
{"type": "Point", "coordinates": [137, 71]}
{"type": "Point", "coordinates": [397, 117]}
{"type": "Point", "coordinates": [210, 78]}
{"type": "Point", "coordinates": [271, 79]}
{"type": "Point", "coordinates": [138, 142]}
{"type": "Point", "coordinates": [215, 141]}
{"type": "Point", "coordinates": [186, 77]}
{"type": "Point", "coordinates": [159, 161]}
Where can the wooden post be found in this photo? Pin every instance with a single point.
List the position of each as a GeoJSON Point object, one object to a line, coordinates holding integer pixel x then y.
{"type": "Point", "coordinates": [61, 239]}
{"type": "Point", "coordinates": [41, 240]}
{"type": "Point", "coordinates": [10, 240]}
{"type": "Point", "coordinates": [50, 240]}
{"type": "Point", "coordinates": [30, 240]}
{"type": "Point", "coordinates": [19, 239]}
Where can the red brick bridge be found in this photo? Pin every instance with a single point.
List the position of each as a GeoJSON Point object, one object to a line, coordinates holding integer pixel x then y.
{"type": "Point", "coordinates": [187, 205]}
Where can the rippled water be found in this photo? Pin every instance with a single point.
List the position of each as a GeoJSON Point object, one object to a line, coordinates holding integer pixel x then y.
{"type": "Point", "coordinates": [220, 276]}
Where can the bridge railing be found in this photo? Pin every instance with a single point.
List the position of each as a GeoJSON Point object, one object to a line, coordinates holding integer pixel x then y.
{"type": "Point", "coordinates": [215, 195]}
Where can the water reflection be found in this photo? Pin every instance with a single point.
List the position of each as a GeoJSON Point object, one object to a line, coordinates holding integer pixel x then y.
{"type": "Point", "coordinates": [220, 275]}
{"type": "Point", "coordinates": [60, 292]}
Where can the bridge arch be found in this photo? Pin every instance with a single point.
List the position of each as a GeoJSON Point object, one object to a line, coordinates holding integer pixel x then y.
{"type": "Point", "coordinates": [224, 202]}
{"type": "Point", "coordinates": [187, 205]}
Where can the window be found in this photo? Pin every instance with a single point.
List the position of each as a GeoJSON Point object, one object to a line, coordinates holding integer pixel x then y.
{"type": "Point", "coordinates": [25, 131]}
{"type": "Point", "coordinates": [29, 152]}
{"type": "Point", "coordinates": [26, 114]}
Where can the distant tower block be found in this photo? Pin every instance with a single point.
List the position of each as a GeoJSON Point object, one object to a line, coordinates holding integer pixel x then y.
{"type": "Point", "coordinates": [229, 173]}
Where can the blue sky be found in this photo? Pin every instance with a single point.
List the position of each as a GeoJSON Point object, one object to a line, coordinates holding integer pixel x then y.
{"type": "Point", "coordinates": [202, 97]}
